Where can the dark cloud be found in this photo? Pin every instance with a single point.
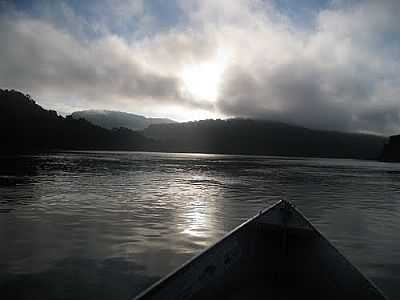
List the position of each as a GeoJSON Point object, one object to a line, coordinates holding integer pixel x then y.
{"type": "Point", "coordinates": [303, 94]}
{"type": "Point", "coordinates": [36, 56]}
{"type": "Point", "coordinates": [386, 119]}
{"type": "Point", "coordinates": [293, 93]}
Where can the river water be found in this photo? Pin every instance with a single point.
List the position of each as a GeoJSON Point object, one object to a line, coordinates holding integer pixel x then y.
{"type": "Point", "coordinates": [105, 225]}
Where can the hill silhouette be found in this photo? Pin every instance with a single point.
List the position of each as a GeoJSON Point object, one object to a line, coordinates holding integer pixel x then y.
{"type": "Point", "coordinates": [115, 119]}
{"type": "Point", "coordinates": [27, 127]}
{"type": "Point", "coordinates": [391, 152]}
{"type": "Point", "coordinates": [243, 136]}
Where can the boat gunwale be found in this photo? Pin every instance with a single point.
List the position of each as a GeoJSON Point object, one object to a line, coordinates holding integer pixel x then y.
{"type": "Point", "coordinates": [209, 248]}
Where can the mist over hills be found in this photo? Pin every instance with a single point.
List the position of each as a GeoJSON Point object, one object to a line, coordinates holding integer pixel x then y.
{"type": "Point", "coordinates": [115, 119]}
{"type": "Point", "coordinates": [27, 127]}
{"type": "Point", "coordinates": [246, 136]}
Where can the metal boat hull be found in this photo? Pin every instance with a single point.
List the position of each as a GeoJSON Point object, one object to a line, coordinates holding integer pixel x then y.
{"type": "Point", "coordinates": [277, 254]}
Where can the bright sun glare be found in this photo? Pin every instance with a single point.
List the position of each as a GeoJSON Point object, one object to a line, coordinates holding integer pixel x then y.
{"type": "Point", "coordinates": [202, 80]}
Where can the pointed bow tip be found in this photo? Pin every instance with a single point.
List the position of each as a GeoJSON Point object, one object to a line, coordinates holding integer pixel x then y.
{"type": "Point", "coordinates": [286, 203]}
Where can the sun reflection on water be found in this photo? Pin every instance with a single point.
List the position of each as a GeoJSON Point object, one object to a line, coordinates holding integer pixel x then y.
{"type": "Point", "coordinates": [197, 218]}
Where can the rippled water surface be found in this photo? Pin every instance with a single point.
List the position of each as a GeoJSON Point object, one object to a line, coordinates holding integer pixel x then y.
{"type": "Point", "coordinates": [105, 225]}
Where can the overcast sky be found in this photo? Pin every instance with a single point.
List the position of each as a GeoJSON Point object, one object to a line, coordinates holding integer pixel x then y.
{"type": "Point", "coordinates": [316, 63]}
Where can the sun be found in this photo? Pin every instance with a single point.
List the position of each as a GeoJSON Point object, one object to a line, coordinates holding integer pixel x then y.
{"type": "Point", "coordinates": [202, 80]}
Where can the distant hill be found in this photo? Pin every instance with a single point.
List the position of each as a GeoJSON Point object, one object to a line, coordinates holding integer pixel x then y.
{"type": "Point", "coordinates": [27, 127]}
{"type": "Point", "coordinates": [115, 119]}
{"type": "Point", "coordinates": [391, 152]}
{"type": "Point", "coordinates": [241, 136]}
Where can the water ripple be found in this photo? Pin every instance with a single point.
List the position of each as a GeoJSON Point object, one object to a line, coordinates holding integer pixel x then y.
{"type": "Point", "coordinates": [143, 214]}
